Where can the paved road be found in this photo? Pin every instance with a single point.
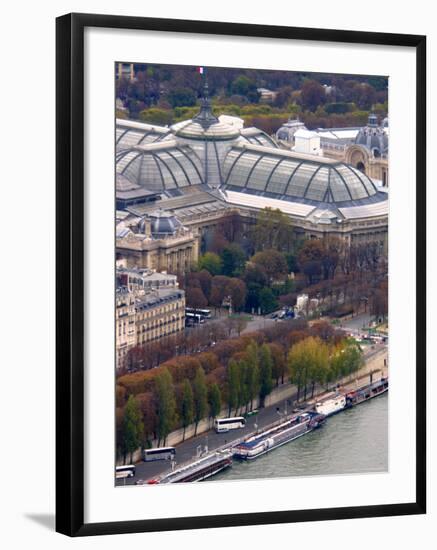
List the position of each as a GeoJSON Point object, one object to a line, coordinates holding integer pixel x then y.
{"type": "Point", "coordinates": [210, 440]}
{"type": "Point", "coordinates": [357, 323]}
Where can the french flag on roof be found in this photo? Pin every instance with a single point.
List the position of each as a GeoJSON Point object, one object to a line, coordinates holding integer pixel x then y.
{"type": "Point", "coordinates": [201, 70]}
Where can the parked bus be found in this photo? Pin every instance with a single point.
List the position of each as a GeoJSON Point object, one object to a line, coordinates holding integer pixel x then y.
{"type": "Point", "coordinates": [193, 319]}
{"type": "Point", "coordinates": [160, 453]}
{"type": "Point", "coordinates": [226, 424]}
{"type": "Point", "coordinates": [128, 470]}
{"type": "Point", "coordinates": [205, 313]}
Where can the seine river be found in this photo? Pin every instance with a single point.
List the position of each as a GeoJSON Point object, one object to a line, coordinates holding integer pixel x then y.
{"type": "Point", "coordinates": [353, 441]}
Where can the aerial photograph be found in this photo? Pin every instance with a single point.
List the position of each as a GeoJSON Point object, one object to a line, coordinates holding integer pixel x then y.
{"type": "Point", "coordinates": [250, 274]}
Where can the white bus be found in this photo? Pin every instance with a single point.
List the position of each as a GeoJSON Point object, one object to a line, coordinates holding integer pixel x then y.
{"type": "Point", "coordinates": [205, 313]}
{"type": "Point", "coordinates": [160, 453]}
{"type": "Point", "coordinates": [194, 318]}
{"type": "Point", "coordinates": [128, 470]}
{"type": "Point", "coordinates": [226, 424]}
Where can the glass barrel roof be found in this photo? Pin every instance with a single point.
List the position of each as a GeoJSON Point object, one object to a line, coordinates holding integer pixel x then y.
{"type": "Point", "coordinates": [129, 133]}
{"type": "Point", "coordinates": [291, 175]}
{"type": "Point", "coordinates": [162, 167]}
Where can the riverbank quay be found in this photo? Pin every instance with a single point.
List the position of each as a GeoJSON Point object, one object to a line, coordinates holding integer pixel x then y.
{"type": "Point", "coordinates": [279, 403]}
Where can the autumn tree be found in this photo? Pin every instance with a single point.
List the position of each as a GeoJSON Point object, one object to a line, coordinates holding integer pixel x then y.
{"type": "Point", "coordinates": [283, 96]}
{"type": "Point", "coordinates": [236, 290]}
{"type": "Point", "coordinates": [273, 263]}
{"type": "Point", "coordinates": [195, 297]}
{"type": "Point", "coordinates": [312, 95]}
{"type": "Point", "coordinates": [310, 259]}
{"type": "Point", "coordinates": [205, 279]}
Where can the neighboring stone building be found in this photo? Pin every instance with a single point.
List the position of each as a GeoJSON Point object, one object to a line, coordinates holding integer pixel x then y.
{"type": "Point", "coordinates": [369, 153]}
{"type": "Point", "coordinates": [286, 131]}
{"type": "Point", "coordinates": [156, 241]}
{"type": "Point", "coordinates": [144, 280]}
{"type": "Point", "coordinates": [365, 148]}
{"type": "Point", "coordinates": [147, 315]}
{"type": "Point", "coordinates": [159, 314]}
{"type": "Point", "coordinates": [125, 330]}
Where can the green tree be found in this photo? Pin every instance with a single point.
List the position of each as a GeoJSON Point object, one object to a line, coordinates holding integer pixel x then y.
{"type": "Point", "coordinates": [265, 373]}
{"type": "Point", "coordinates": [233, 379]}
{"type": "Point", "coordinates": [267, 300]}
{"type": "Point", "coordinates": [211, 262]}
{"type": "Point", "coordinates": [233, 260]}
{"type": "Point", "coordinates": [244, 86]}
{"type": "Point", "coordinates": [273, 230]}
{"type": "Point", "coordinates": [308, 362]}
{"type": "Point", "coordinates": [252, 374]}
{"type": "Point", "coordinates": [214, 400]}
{"type": "Point", "coordinates": [279, 364]}
{"type": "Point", "coordinates": [133, 427]}
{"type": "Point", "coordinates": [200, 393]}
{"type": "Point", "coordinates": [346, 360]}
{"type": "Point", "coordinates": [187, 405]}
{"type": "Point", "coordinates": [181, 97]}
{"type": "Point", "coordinates": [156, 116]}
{"type": "Point", "coordinates": [166, 404]}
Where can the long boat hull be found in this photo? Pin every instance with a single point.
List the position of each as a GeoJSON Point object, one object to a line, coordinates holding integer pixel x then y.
{"type": "Point", "coordinates": [362, 395]}
{"type": "Point", "coordinates": [276, 436]}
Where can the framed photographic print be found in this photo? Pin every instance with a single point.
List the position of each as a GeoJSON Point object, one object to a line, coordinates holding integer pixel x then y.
{"type": "Point", "coordinates": [240, 274]}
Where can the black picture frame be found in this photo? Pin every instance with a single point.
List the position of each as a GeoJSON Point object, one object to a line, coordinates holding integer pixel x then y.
{"type": "Point", "coordinates": [70, 273]}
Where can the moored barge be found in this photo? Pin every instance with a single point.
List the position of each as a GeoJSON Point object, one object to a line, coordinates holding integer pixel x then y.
{"type": "Point", "coordinates": [361, 395]}
{"type": "Point", "coordinates": [276, 436]}
{"type": "Point", "coordinates": [202, 468]}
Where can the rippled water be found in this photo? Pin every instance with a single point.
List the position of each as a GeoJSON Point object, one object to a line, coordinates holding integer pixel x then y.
{"type": "Point", "coordinates": [353, 441]}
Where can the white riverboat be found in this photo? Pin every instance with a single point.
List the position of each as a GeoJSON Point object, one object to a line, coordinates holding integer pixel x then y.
{"type": "Point", "coordinates": [331, 405]}
{"type": "Point", "coordinates": [277, 435]}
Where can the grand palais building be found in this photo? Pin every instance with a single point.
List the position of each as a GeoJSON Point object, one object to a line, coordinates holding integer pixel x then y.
{"type": "Point", "coordinates": [175, 184]}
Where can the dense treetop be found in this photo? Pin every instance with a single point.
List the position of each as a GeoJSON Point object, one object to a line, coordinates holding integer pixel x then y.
{"type": "Point", "coordinates": [163, 94]}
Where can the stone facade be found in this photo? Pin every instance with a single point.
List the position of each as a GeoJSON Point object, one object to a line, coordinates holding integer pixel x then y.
{"type": "Point", "coordinates": [146, 317]}
{"type": "Point", "coordinates": [125, 316]}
